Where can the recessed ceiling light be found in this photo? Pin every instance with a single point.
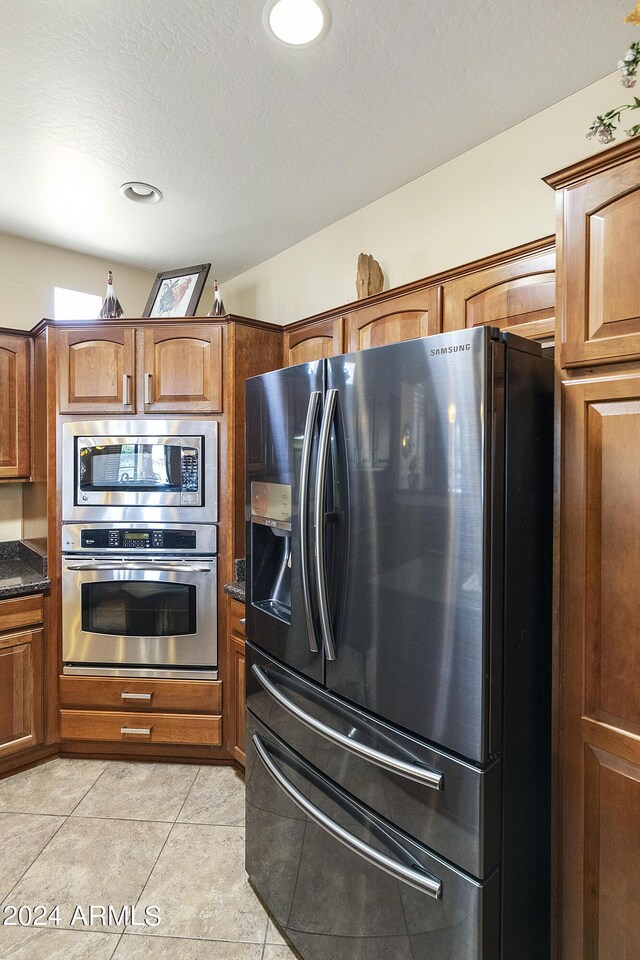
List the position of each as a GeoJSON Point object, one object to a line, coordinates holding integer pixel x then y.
{"type": "Point", "coordinates": [140, 192]}
{"type": "Point", "coordinates": [297, 23]}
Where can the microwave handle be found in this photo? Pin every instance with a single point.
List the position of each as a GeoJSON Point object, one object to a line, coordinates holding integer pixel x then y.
{"type": "Point", "coordinates": [185, 566]}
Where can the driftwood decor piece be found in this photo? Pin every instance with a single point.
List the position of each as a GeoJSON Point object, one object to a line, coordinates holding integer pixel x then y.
{"type": "Point", "coordinates": [369, 277]}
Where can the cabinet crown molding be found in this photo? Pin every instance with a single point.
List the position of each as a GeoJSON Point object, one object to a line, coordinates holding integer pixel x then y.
{"type": "Point", "coordinates": [598, 163]}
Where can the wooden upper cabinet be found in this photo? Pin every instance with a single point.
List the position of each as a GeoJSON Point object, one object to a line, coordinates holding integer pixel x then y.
{"type": "Point", "coordinates": [599, 254]}
{"type": "Point", "coordinates": [168, 369]}
{"type": "Point", "coordinates": [182, 369]}
{"type": "Point", "coordinates": [519, 297]}
{"type": "Point", "coordinates": [14, 406]}
{"type": "Point", "coordinates": [97, 370]}
{"type": "Point", "coordinates": [314, 342]}
{"type": "Point", "coordinates": [415, 314]}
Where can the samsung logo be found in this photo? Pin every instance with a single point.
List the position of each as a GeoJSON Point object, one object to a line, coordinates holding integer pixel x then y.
{"type": "Point", "coordinates": [454, 348]}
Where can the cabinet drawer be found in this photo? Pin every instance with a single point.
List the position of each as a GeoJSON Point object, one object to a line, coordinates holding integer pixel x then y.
{"type": "Point", "coordinates": [140, 727]}
{"type": "Point", "coordinates": [120, 693]}
{"type": "Point", "coordinates": [21, 612]}
{"type": "Point", "coordinates": [236, 617]}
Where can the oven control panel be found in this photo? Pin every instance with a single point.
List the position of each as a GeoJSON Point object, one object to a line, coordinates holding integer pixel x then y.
{"type": "Point", "coordinates": [151, 539]}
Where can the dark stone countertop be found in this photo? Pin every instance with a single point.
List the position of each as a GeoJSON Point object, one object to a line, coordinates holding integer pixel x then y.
{"type": "Point", "coordinates": [236, 589]}
{"type": "Point", "coordinates": [23, 569]}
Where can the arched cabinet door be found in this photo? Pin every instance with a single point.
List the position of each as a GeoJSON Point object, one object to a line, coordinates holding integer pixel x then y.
{"type": "Point", "coordinates": [599, 244]}
{"type": "Point", "coordinates": [314, 342]}
{"type": "Point", "coordinates": [96, 370]}
{"type": "Point", "coordinates": [14, 406]}
{"type": "Point", "coordinates": [406, 317]}
{"type": "Point", "coordinates": [182, 369]}
{"type": "Point", "coordinates": [518, 297]}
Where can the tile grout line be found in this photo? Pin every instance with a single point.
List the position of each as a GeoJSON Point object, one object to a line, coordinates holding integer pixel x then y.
{"type": "Point", "coordinates": [39, 854]}
{"type": "Point", "coordinates": [116, 946]}
{"type": "Point", "coordinates": [65, 818]}
{"type": "Point", "coordinates": [193, 783]}
{"type": "Point", "coordinates": [88, 789]}
{"type": "Point", "coordinates": [153, 865]}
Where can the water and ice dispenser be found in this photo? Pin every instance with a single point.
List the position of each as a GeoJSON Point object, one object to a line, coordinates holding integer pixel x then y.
{"type": "Point", "coordinates": [271, 549]}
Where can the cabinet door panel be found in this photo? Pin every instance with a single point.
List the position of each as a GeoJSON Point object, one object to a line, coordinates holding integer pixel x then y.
{"type": "Point", "coordinates": [600, 226]}
{"type": "Point", "coordinates": [14, 406]}
{"type": "Point", "coordinates": [525, 306]}
{"type": "Point", "coordinates": [519, 297]}
{"type": "Point", "coordinates": [314, 342]}
{"type": "Point", "coordinates": [96, 371]}
{"type": "Point", "coordinates": [20, 692]}
{"type": "Point", "coordinates": [600, 774]}
{"type": "Point", "coordinates": [183, 369]}
{"type": "Point", "coordinates": [406, 317]}
{"type": "Point", "coordinates": [612, 856]}
{"type": "Point", "coordinates": [238, 682]}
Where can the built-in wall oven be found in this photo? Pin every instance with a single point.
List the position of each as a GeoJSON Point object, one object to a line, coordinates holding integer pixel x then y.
{"type": "Point", "coordinates": [139, 599]}
{"type": "Point", "coordinates": [145, 469]}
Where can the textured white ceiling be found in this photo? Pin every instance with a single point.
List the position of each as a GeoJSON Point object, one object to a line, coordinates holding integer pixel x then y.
{"type": "Point", "coordinates": [256, 145]}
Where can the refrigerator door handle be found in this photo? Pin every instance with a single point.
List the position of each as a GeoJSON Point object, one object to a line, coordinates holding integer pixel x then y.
{"type": "Point", "coordinates": [321, 485]}
{"type": "Point", "coordinates": [419, 879]}
{"type": "Point", "coordinates": [412, 771]}
{"type": "Point", "coordinates": [303, 514]}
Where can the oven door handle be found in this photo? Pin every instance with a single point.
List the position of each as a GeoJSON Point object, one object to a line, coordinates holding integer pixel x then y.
{"type": "Point", "coordinates": [185, 566]}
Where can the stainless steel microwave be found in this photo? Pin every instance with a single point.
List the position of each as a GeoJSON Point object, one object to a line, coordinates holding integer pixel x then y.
{"type": "Point", "coordinates": [155, 470]}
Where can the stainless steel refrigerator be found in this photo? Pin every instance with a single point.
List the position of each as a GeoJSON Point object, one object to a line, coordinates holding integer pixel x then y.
{"type": "Point", "coordinates": [399, 519]}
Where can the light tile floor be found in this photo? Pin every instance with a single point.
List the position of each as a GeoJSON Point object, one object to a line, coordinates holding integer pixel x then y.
{"type": "Point", "coordinates": [75, 833]}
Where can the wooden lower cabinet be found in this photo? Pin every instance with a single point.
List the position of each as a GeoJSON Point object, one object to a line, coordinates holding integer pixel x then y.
{"type": "Point", "coordinates": [118, 693]}
{"type": "Point", "coordinates": [236, 738]}
{"type": "Point", "coordinates": [124, 710]}
{"type": "Point", "coordinates": [600, 668]}
{"type": "Point", "coordinates": [133, 727]}
{"type": "Point", "coordinates": [21, 688]}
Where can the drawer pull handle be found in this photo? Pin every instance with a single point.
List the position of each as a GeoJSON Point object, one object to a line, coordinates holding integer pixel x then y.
{"type": "Point", "coordinates": [421, 773]}
{"type": "Point", "coordinates": [136, 696]}
{"type": "Point", "coordinates": [243, 621]}
{"type": "Point", "coordinates": [414, 876]}
{"type": "Point", "coordinates": [137, 731]}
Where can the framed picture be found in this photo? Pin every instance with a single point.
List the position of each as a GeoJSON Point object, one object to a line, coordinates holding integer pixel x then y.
{"type": "Point", "coordinates": [176, 293]}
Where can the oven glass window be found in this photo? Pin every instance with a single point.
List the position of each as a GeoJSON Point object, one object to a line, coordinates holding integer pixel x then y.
{"type": "Point", "coordinates": [130, 466]}
{"type": "Point", "coordinates": [139, 608]}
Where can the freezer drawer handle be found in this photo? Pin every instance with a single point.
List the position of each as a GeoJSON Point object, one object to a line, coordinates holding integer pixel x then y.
{"type": "Point", "coordinates": [420, 880]}
{"type": "Point", "coordinates": [303, 513]}
{"type": "Point", "coordinates": [421, 774]}
{"type": "Point", "coordinates": [321, 484]}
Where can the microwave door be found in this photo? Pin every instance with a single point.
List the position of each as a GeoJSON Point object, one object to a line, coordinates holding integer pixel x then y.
{"type": "Point", "coordinates": [160, 471]}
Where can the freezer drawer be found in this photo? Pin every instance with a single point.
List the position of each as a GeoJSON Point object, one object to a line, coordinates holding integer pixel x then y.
{"type": "Point", "coordinates": [450, 806]}
{"type": "Point", "coordinates": [342, 882]}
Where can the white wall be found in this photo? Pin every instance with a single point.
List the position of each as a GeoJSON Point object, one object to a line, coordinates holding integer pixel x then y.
{"type": "Point", "coordinates": [489, 199]}
{"type": "Point", "coordinates": [10, 511]}
{"type": "Point", "coordinates": [29, 272]}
